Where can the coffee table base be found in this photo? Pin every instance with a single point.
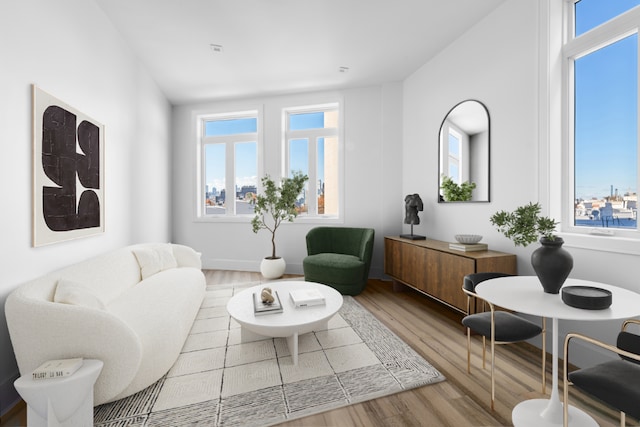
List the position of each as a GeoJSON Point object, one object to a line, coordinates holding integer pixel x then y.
{"type": "Point", "coordinates": [292, 340]}
{"type": "Point", "coordinates": [534, 413]}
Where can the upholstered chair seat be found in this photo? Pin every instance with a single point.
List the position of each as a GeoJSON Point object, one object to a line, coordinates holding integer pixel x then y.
{"type": "Point", "coordinates": [614, 382]}
{"type": "Point", "coordinates": [339, 257]}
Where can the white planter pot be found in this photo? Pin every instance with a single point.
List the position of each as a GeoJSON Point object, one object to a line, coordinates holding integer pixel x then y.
{"type": "Point", "coordinates": [272, 268]}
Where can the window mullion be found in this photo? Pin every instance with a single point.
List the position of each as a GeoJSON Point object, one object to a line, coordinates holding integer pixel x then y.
{"type": "Point", "coordinates": [230, 182]}
{"type": "Point", "coordinates": [312, 197]}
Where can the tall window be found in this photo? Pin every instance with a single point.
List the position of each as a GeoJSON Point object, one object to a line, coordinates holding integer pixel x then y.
{"type": "Point", "coordinates": [601, 57]}
{"type": "Point", "coordinates": [455, 152]}
{"type": "Point", "coordinates": [312, 147]}
{"type": "Point", "coordinates": [229, 169]}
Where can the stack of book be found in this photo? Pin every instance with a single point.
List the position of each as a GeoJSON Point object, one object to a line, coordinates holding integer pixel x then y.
{"type": "Point", "coordinates": [260, 308]}
{"type": "Point", "coordinates": [468, 247]}
{"type": "Point", "coordinates": [59, 368]}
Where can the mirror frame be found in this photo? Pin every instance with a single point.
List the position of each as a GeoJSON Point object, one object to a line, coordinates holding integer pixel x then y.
{"type": "Point", "coordinates": [488, 163]}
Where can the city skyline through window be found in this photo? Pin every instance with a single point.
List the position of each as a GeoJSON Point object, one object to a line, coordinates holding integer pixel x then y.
{"type": "Point", "coordinates": [605, 127]}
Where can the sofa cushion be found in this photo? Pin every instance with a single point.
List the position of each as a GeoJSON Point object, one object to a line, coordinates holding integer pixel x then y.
{"type": "Point", "coordinates": [154, 259]}
{"type": "Point", "coordinates": [70, 292]}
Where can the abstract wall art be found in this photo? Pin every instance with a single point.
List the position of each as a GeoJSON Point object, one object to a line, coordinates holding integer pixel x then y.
{"type": "Point", "coordinates": [68, 171]}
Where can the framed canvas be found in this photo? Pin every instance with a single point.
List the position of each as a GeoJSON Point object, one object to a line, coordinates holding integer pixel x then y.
{"type": "Point", "coordinates": [68, 171]}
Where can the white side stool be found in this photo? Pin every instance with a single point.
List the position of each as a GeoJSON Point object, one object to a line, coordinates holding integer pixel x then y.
{"type": "Point", "coordinates": [64, 401]}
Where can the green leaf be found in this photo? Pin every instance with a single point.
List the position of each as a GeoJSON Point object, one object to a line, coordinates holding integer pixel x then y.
{"type": "Point", "coordinates": [277, 204]}
{"type": "Point", "coordinates": [524, 225]}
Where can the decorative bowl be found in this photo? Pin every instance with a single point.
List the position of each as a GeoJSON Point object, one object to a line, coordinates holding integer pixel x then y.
{"type": "Point", "coordinates": [468, 239]}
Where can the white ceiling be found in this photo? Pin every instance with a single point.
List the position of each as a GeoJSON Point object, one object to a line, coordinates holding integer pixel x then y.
{"type": "Point", "coordinates": [283, 46]}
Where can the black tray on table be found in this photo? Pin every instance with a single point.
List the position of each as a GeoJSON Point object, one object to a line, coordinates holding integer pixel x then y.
{"type": "Point", "coordinates": [586, 297]}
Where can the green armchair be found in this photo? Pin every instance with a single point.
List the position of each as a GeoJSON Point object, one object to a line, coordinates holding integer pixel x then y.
{"type": "Point", "coordinates": [339, 257]}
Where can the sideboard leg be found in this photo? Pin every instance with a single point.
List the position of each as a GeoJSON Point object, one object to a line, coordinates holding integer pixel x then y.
{"type": "Point", "coordinates": [398, 286]}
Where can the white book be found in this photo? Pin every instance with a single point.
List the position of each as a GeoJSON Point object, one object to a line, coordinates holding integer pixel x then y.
{"type": "Point", "coordinates": [306, 297]}
{"type": "Point", "coordinates": [57, 368]}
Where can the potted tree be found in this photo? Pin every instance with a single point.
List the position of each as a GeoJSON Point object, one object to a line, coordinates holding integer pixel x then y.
{"type": "Point", "coordinates": [524, 226]}
{"type": "Point", "coordinates": [273, 206]}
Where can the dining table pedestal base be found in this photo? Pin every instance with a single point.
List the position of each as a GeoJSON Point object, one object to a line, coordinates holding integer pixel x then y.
{"type": "Point", "coordinates": [541, 412]}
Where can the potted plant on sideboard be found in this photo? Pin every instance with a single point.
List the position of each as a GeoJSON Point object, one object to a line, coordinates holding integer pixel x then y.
{"type": "Point", "coordinates": [551, 262]}
{"type": "Point", "coordinates": [273, 206]}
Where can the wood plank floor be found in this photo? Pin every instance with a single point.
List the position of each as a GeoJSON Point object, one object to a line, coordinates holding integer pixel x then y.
{"type": "Point", "coordinates": [435, 332]}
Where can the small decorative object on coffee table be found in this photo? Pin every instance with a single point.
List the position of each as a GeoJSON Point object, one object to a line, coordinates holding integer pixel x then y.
{"type": "Point", "coordinates": [266, 302]}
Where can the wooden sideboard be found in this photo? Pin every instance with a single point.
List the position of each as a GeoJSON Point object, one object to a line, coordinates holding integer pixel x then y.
{"type": "Point", "coordinates": [437, 271]}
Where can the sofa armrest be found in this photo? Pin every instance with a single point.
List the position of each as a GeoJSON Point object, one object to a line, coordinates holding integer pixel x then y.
{"type": "Point", "coordinates": [42, 330]}
{"type": "Point", "coordinates": [186, 256]}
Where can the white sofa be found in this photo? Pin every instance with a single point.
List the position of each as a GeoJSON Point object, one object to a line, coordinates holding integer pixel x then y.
{"type": "Point", "coordinates": [131, 308]}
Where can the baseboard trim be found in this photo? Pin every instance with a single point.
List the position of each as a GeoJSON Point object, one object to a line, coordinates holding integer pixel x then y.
{"type": "Point", "coordinates": [13, 411]}
{"type": "Point", "coordinates": [8, 396]}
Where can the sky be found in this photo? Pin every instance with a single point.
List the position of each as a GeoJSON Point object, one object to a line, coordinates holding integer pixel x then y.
{"type": "Point", "coordinates": [606, 92]}
{"type": "Point", "coordinates": [247, 171]}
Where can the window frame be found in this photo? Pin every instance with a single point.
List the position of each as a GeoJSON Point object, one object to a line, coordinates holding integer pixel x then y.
{"type": "Point", "coordinates": [558, 48]}
{"type": "Point", "coordinates": [312, 136]}
{"type": "Point", "coordinates": [230, 142]}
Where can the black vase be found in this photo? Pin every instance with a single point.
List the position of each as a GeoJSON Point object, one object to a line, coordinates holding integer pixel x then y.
{"type": "Point", "coordinates": [552, 264]}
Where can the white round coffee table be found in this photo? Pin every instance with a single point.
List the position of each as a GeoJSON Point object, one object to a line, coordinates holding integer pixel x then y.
{"type": "Point", "coordinates": [289, 324]}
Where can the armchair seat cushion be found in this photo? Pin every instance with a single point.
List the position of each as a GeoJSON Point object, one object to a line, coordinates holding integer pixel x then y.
{"type": "Point", "coordinates": [615, 383]}
{"type": "Point", "coordinates": [337, 269]}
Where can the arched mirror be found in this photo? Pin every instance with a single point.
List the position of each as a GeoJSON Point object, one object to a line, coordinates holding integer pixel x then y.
{"type": "Point", "coordinates": [463, 167]}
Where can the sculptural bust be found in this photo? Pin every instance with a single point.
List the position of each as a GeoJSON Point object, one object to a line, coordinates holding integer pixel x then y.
{"type": "Point", "coordinates": [412, 205]}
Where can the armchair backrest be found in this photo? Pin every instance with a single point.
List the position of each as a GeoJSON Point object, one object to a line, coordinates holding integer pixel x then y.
{"type": "Point", "coordinates": [341, 240]}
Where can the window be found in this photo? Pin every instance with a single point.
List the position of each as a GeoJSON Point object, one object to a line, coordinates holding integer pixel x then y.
{"type": "Point", "coordinates": [229, 164]}
{"type": "Point", "coordinates": [455, 153]}
{"type": "Point", "coordinates": [601, 126]}
{"type": "Point", "coordinates": [312, 146]}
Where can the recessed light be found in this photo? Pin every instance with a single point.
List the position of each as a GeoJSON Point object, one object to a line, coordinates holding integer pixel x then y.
{"type": "Point", "coordinates": [343, 69]}
{"type": "Point", "coordinates": [217, 48]}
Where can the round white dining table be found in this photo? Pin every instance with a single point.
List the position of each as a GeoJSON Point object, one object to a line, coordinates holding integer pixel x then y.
{"type": "Point", "coordinates": [524, 294]}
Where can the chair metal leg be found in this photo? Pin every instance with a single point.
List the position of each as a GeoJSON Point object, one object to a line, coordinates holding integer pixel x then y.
{"type": "Point", "coordinates": [493, 358]}
{"type": "Point", "coordinates": [484, 352]}
{"type": "Point", "coordinates": [468, 350]}
{"type": "Point", "coordinates": [544, 355]}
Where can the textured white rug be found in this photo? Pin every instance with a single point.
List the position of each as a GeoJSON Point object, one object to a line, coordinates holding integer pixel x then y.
{"type": "Point", "coordinates": [218, 381]}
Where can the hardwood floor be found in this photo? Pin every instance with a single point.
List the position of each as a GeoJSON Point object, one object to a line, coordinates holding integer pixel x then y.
{"type": "Point", "coordinates": [435, 332]}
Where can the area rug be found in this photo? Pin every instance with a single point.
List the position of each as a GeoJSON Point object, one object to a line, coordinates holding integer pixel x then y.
{"type": "Point", "coordinates": [218, 381]}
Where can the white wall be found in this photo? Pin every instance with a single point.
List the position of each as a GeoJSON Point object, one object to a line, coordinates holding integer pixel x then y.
{"type": "Point", "coordinates": [69, 49]}
{"type": "Point", "coordinates": [502, 54]}
{"type": "Point", "coordinates": [372, 147]}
